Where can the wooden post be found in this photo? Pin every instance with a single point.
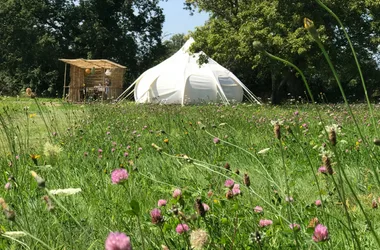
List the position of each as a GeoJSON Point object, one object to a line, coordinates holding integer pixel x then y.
{"type": "Point", "coordinates": [64, 82]}
{"type": "Point", "coordinates": [104, 87]}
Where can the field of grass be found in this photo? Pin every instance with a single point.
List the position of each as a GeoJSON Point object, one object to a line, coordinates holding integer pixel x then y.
{"type": "Point", "coordinates": [233, 177]}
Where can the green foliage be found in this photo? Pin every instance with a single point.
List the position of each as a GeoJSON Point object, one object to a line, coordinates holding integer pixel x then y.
{"type": "Point", "coordinates": [174, 44]}
{"type": "Point", "coordinates": [235, 25]}
{"type": "Point", "coordinates": [36, 33]}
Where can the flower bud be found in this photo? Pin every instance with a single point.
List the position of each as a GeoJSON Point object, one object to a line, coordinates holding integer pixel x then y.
{"type": "Point", "coordinates": [40, 181]}
{"type": "Point", "coordinates": [374, 204]}
{"type": "Point", "coordinates": [309, 26]}
{"type": "Point", "coordinates": [258, 46]}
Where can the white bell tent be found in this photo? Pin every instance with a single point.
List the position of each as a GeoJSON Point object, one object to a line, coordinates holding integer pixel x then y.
{"type": "Point", "coordinates": [181, 80]}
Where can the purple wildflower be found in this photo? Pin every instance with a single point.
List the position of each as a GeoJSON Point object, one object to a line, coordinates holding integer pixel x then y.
{"type": "Point", "coordinates": [156, 216]}
{"type": "Point", "coordinates": [125, 154]}
{"type": "Point", "coordinates": [181, 228]}
{"type": "Point", "coordinates": [7, 186]}
{"type": "Point", "coordinates": [320, 233]}
{"type": "Point", "coordinates": [295, 226]}
{"type": "Point", "coordinates": [100, 150]}
{"type": "Point", "coordinates": [322, 170]}
{"type": "Point", "coordinates": [119, 175]}
{"type": "Point", "coordinates": [229, 183]}
{"type": "Point", "coordinates": [206, 207]}
{"type": "Point", "coordinates": [236, 189]}
{"type": "Point", "coordinates": [216, 140]}
{"type": "Point", "coordinates": [177, 193]}
{"type": "Point", "coordinates": [258, 209]}
{"type": "Point", "coordinates": [265, 222]}
{"type": "Point", "coordinates": [318, 203]}
{"type": "Point", "coordinates": [161, 203]}
{"type": "Point", "coordinates": [118, 241]}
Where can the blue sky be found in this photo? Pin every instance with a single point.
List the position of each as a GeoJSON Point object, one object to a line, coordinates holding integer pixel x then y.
{"type": "Point", "coordinates": [178, 20]}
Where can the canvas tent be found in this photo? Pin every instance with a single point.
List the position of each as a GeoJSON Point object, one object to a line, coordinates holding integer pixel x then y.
{"type": "Point", "coordinates": [181, 80]}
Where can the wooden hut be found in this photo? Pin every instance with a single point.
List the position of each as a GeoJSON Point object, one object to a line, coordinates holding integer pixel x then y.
{"type": "Point", "coordinates": [92, 79]}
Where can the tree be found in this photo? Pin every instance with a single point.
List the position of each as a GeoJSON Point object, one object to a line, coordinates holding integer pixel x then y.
{"type": "Point", "coordinates": [35, 33]}
{"type": "Point", "coordinates": [235, 24]}
{"type": "Point", "coordinates": [174, 44]}
{"type": "Point", "coordinates": [29, 47]}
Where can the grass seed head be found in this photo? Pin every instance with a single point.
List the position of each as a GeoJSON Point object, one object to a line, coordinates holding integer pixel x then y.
{"type": "Point", "coordinates": [227, 166]}
{"type": "Point", "coordinates": [277, 131]}
{"type": "Point", "coordinates": [332, 137]}
{"type": "Point", "coordinates": [246, 180]}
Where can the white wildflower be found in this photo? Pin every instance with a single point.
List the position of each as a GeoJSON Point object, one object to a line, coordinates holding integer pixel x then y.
{"type": "Point", "coordinates": [263, 151]}
{"type": "Point", "coordinates": [15, 234]}
{"type": "Point", "coordinates": [279, 122]}
{"type": "Point", "coordinates": [198, 239]}
{"type": "Point", "coordinates": [325, 152]}
{"type": "Point", "coordinates": [343, 142]}
{"type": "Point", "coordinates": [65, 192]}
{"type": "Point", "coordinates": [334, 127]}
{"type": "Point", "coordinates": [51, 150]}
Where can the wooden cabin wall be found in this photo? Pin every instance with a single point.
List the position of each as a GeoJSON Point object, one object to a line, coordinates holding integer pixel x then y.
{"type": "Point", "coordinates": [76, 83]}
{"type": "Point", "coordinates": [95, 79]}
{"type": "Point", "coordinates": [78, 78]}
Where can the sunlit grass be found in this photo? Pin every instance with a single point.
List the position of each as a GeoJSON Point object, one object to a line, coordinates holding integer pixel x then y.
{"type": "Point", "coordinates": [97, 139]}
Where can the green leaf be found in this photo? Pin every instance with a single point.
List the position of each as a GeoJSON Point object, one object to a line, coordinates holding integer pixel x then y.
{"type": "Point", "coordinates": [135, 207]}
{"type": "Point", "coordinates": [130, 212]}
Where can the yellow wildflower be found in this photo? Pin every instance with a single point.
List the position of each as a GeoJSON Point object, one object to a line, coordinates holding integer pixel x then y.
{"type": "Point", "coordinates": [35, 156]}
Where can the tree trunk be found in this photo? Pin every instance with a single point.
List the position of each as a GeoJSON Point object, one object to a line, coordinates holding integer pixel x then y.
{"type": "Point", "coordinates": [278, 87]}
{"type": "Point", "coordinates": [274, 97]}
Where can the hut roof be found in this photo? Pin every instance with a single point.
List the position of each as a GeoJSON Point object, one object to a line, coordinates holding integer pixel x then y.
{"type": "Point", "coordinates": [85, 64]}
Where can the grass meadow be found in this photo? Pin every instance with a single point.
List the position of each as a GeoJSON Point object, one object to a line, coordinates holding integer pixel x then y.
{"type": "Point", "coordinates": [194, 177]}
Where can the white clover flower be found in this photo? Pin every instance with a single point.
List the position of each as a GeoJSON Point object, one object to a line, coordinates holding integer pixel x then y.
{"type": "Point", "coordinates": [263, 151]}
{"type": "Point", "coordinates": [65, 192]}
